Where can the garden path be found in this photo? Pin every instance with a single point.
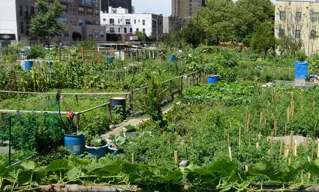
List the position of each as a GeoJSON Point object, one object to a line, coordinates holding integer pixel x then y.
{"type": "Point", "coordinates": [133, 121]}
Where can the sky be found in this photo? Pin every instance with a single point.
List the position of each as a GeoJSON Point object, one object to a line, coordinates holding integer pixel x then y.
{"type": "Point", "coordinates": [153, 6]}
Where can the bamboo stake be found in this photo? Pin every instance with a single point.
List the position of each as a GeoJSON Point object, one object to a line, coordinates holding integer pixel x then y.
{"type": "Point", "coordinates": [289, 161]}
{"type": "Point", "coordinates": [285, 129]}
{"type": "Point", "coordinates": [261, 118]}
{"type": "Point", "coordinates": [239, 135]}
{"type": "Point", "coordinates": [230, 155]}
{"type": "Point", "coordinates": [257, 145]}
{"type": "Point", "coordinates": [228, 140]}
{"type": "Point", "coordinates": [247, 122]}
{"type": "Point", "coordinates": [291, 141]}
{"type": "Point", "coordinates": [318, 149]}
{"type": "Point", "coordinates": [175, 158]}
{"type": "Point", "coordinates": [295, 148]}
{"type": "Point", "coordinates": [281, 141]}
{"type": "Point", "coordinates": [133, 159]}
{"type": "Point", "coordinates": [168, 142]}
{"type": "Point", "coordinates": [286, 153]}
{"type": "Point", "coordinates": [246, 168]}
{"type": "Point", "coordinates": [288, 113]}
{"type": "Point", "coordinates": [275, 128]}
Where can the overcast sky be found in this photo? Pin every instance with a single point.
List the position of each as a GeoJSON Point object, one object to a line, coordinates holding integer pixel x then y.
{"type": "Point", "coordinates": [153, 6]}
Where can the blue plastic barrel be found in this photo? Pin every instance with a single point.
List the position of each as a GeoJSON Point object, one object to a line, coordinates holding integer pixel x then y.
{"type": "Point", "coordinates": [301, 69]}
{"type": "Point", "coordinates": [97, 151]}
{"type": "Point", "coordinates": [213, 79]}
{"type": "Point", "coordinates": [109, 60]}
{"type": "Point", "coordinates": [171, 58]}
{"type": "Point", "coordinates": [75, 143]}
{"type": "Point", "coordinates": [118, 101]}
{"type": "Point", "coordinates": [27, 65]}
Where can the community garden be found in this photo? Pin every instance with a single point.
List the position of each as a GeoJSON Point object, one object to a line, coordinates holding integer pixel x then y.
{"type": "Point", "coordinates": [233, 135]}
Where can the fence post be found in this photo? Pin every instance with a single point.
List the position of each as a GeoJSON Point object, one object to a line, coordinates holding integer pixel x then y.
{"type": "Point", "coordinates": [77, 120]}
{"type": "Point", "coordinates": [181, 86]}
{"type": "Point", "coordinates": [82, 53]}
{"type": "Point", "coordinates": [131, 99]}
{"type": "Point", "coordinates": [59, 54]}
{"type": "Point", "coordinates": [193, 79]}
{"type": "Point", "coordinates": [10, 124]}
{"type": "Point", "coordinates": [109, 112]}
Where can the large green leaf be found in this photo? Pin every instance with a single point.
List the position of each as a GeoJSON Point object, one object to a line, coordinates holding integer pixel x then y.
{"type": "Point", "coordinates": [29, 165]}
{"type": "Point", "coordinates": [73, 174]}
{"type": "Point", "coordinates": [59, 165]}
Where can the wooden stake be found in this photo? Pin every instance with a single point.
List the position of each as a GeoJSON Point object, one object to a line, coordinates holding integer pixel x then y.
{"type": "Point", "coordinates": [285, 129]}
{"type": "Point", "coordinates": [133, 159]}
{"type": "Point", "coordinates": [281, 142]}
{"type": "Point", "coordinates": [168, 142]}
{"type": "Point", "coordinates": [295, 148]}
{"type": "Point", "coordinates": [230, 155]}
{"type": "Point", "coordinates": [288, 113]}
{"type": "Point", "coordinates": [291, 141]}
{"type": "Point", "coordinates": [286, 152]}
{"type": "Point", "coordinates": [247, 121]}
{"type": "Point", "coordinates": [257, 145]}
{"type": "Point", "coordinates": [175, 158]}
{"type": "Point", "coordinates": [228, 140]}
{"type": "Point", "coordinates": [246, 168]}
{"type": "Point", "coordinates": [275, 128]}
{"type": "Point", "coordinates": [309, 176]}
{"type": "Point", "coordinates": [239, 135]}
{"type": "Point", "coordinates": [259, 136]}
{"type": "Point", "coordinates": [289, 162]}
{"type": "Point", "coordinates": [318, 149]}
{"type": "Point", "coordinates": [261, 118]}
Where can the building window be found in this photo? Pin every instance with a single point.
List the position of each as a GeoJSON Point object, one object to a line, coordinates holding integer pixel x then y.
{"type": "Point", "coordinates": [96, 34]}
{"type": "Point", "coordinates": [66, 33]}
{"type": "Point", "coordinates": [143, 30]}
{"type": "Point", "coordinates": [104, 19]}
{"type": "Point", "coordinates": [90, 11]}
{"type": "Point", "coordinates": [111, 21]}
{"type": "Point", "coordinates": [26, 11]}
{"type": "Point", "coordinates": [127, 21]}
{"type": "Point", "coordinates": [119, 30]}
{"type": "Point", "coordinates": [20, 10]}
{"type": "Point", "coordinates": [81, 10]}
{"type": "Point", "coordinates": [282, 15]}
{"type": "Point", "coordinates": [81, 22]}
{"type": "Point", "coordinates": [134, 21]}
{"type": "Point", "coordinates": [313, 34]}
{"type": "Point", "coordinates": [112, 30]}
{"type": "Point", "coordinates": [131, 30]}
{"type": "Point", "coordinates": [21, 27]}
{"type": "Point", "coordinates": [137, 30]}
{"type": "Point", "coordinates": [118, 21]}
{"type": "Point", "coordinates": [143, 22]}
{"type": "Point", "coordinates": [314, 16]}
{"type": "Point", "coordinates": [32, 11]}
{"type": "Point", "coordinates": [62, 20]}
{"type": "Point", "coordinates": [125, 30]}
{"type": "Point", "coordinates": [101, 34]}
{"type": "Point", "coordinates": [64, 8]}
{"type": "Point", "coordinates": [96, 12]}
{"type": "Point", "coordinates": [297, 34]}
{"type": "Point", "coordinates": [281, 32]}
{"type": "Point", "coordinates": [90, 34]}
{"type": "Point", "coordinates": [298, 16]}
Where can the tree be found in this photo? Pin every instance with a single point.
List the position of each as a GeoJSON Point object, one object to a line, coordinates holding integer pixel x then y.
{"type": "Point", "coordinates": [44, 24]}
{"type": "Point", "coordinates": [263, 38]}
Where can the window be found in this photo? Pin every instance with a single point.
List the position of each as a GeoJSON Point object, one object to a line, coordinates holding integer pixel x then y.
{"type": "Point", "coordinates": [297, 34]}
{"type": "Point", "coordinates": [64, 8]}
{"type": "Point", "coordinates": [96, 34]}
{"type": "Point", "coordinates": [96, 12]}
{"type": "Point", "coordinates": [143, 30]}
{"type": "Point", "coordinates": [137, 30]}
{"type": "Point", "coordinates": [143, 22]}
{"type": "Point", "coordinates": [62, 20]}
{"type": "Point", "coordinates": [104, 19]}
{"type": "Point", "coordinates": [81, 10]}
{"type": "Point", "coordinates": [21, 27]}
{"type": "Point", "coordinates": [131, 30]}
{"type": "Point", "coordinates": [313, 34]}
{"type": "Point", "coordinates": [119, 30]}
{"type": "Point", "coordinates": [81, 22]}
{"type": "Point", "coordinates": [298, 16]}
{"type": "Point", "coordinates": [32, 11]}
{"type": "Point", "coordinates": [125, 30]}
{"type": "Point", "coordinates": [90, 11]}
{"type": "Point", "coordinates": [314, 16]}
{"type": "Point", "coordinates": [90, 34]}
{"type": "Point", "coordinates": [134, 21]}
{"type": "Point", "coordinates": [112, 30]}
{"type": "Point", "coordinates": [20, 10]}
{"type": "Point", "coordinates": [127, 21]}
{"type": "Point", "coordinates": [66, 33]}
{"type": "Point", "coordinates": [111, 21]}
{"type": "Point", "coordinates": [118, 21]}
{"type": "Point", "coordinates": [281, 32]}
{"type": "Point", "coordinates": [282, 15]}
{"type": "Point", "coordinates": [101, 34]}
{"type": "Point", "coordinates": [26, 11]}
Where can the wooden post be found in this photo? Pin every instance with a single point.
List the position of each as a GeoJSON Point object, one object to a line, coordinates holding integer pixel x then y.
{"type": "Point", "coordinates": [257, 145]}
{"type": "Point", "coordinates": [193, 79]}
{"type": "Point", "coordinates": [318, 149]}
{"type": "Point", "coordinates": [59, 54]}
{"type": "Point", "coordinates": [285, 129]}
{"type": "Point", "coordinates": [291, 141]}
{"type": "Point", "coordinates": [289, 162]}
{"type": "Point", "coordinates": [77, 121]}
{"type": "Point", "coordinates": [246, 168]}
{"type": "Point", "coordinates": [288, 113]}
{"type": "Point", "coordinates": [261, 118]}
{"type": "Point", "coordinates": [228, 140]}
{"type": "Point", "coordinates": [133, 159]}
{"type": "Point", "coordinates": [175, 158]}
{"type": "Point", "coordinates": [109, 112]}
{"type": "Point", "coordinates": [169, 142]}
{"type": "Point", "coordinates": [131, 98]}
{"type": "Point", "coordinates": [281, 142]}
{"type": "Point", "coordinates": [82, 53]}
{"type": "Point", "coordinates": [247, 121]}
{"type": "Point", "coordinates": [275, 128]}
{"type": "Point", "coordinates": [295, 147]}
{"type": "Point", "coordinates": [230, 155]}
{"type": "Point", "coordinates": [181, 86]}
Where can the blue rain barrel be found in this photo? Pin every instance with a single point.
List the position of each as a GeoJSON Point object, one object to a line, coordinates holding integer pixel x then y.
{"type": "Point", "coordinates": [109, 60]}
{"type": "Point", "coordinates": [27, 65]}
{"type": "Point", "coordinates": [171, 58]}
{"type": "Point", "coordinates": [75, 143]}
{"type": "Point", "coordinates": [301, 69]}
{"type": "Point", "coordinates": [97, 151]}
{"type": "Point", "coordinates": [118, 101]}
{"type": "Point", "coordinates": [213, 79]}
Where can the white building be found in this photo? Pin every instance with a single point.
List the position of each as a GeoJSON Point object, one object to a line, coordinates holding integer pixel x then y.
{"type": "Point", "coordinates": [119, 21]}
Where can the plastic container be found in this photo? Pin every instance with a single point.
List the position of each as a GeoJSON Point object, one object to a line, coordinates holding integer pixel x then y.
{"type": "Point", "coordinates": [114, 151]}
{"type": "Point", "coordinates": [109, 60]}
{"type": "Point", "coordinates": [172, 58]}
{"type": "Point", "coordinates": [301, 69]}
{"type": "Point", "coordinates": [27, 65]}
{"type": "Point", "coordinates": [75, 143]}
{"type": "Point", "coordinates": [213, 79]}
{"type": "Point", "coordinates": [97, 151]}
{"type": "Point", "coordinates": [118, 101]}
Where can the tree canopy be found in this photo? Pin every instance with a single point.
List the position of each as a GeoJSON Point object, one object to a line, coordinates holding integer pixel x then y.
{"type": "Point", "coordinates": [44, 24]}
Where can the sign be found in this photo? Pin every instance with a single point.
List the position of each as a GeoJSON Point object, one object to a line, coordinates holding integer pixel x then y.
{"type": "Point", "coordinates": [7, 37]}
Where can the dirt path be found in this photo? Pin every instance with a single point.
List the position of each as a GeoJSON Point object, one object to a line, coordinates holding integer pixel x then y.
{"type": "Point", "coordinates": [133, 121]}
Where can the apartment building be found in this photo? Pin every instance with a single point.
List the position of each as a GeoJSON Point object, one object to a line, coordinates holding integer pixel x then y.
{"type": "Point", "coordinates": [299, 20]}
{"type": "Point", "coordinates": [172, 23]}
{"type": "Point", "coordinates": [119, 21]}
{"type": "Point", "coordinates": [126, 4]}
{"type": "Point", "coordinates": [186, 8]}
{"type": "Point", "coordinates": [81, 18]}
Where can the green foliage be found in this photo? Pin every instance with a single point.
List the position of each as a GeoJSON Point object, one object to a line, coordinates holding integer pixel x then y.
{"type": "Point", "coordinates": [130, 128]}
{"type": "Point", "coordinates": [301, 56]}
{"type": "Point", "coordinates": [288, 45]}
{"type": "Point", "coordinates": [262, 39]}
{"type": "Point", "coordinates": [96, 141]}
{"type": "Point", "coordinates": [36, 51]}
{"type": "Point", "coordinates": [44, 23]}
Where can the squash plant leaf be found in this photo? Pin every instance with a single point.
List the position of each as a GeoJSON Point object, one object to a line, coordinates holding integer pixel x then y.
{"type": "Point", "coordinates": [59, 165]}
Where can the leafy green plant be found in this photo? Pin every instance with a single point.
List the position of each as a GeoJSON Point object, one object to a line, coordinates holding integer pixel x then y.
{"type": "Point", "coordinates": [130, 128]}
{"type": "Point", "coordinates": [300, 56]}
{"type": "Point", "coordinates": [96, 141]}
